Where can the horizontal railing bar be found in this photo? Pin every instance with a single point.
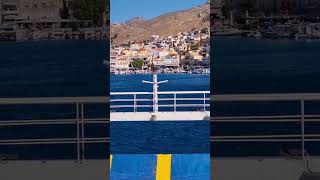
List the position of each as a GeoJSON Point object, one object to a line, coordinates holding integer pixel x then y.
{"type": "Point", "coordinates": [184, 105]}
{"type": "Point", "coordinates": [129, 100]}
{"type": "Point", "coordinates": [51, 141]}
{"type": "Point", "coordinates": [129, 93]}
{"type": "Point", "coordinates": [184, 99]}
{"type": "Point", "coordinates": [265, 136]}
{"type": "Point", "coordinates": [51, 122]}
{"type": "Point", "coordinates": [96, 141]}
{"type": "Point", "coordinates": [264, 140]}
{"type": "Point", "coordinates": [97, 122]}
{"type": "Point", "coordinates": [255, 117]}
{"type": "Point", "coordinates": [161, 92]}
{"type": "Point", "coordinates": [129, 106]}
{"type": "Point", "coordinates": [121, 100]}
{"type": "Point", "coordinates": [160, 99]}
{"type": "Point", "coordinates": [28, 140]}
{"type": "Point", "coordinates": [258, 120]}
{"type": "Point", "coordinates": [97, 119]}
{"type": "Point", "coordinates": [264, 120]}
{"type": "Point", "coordinates": [35, 123]}
{"type": "Point", "coordinates": [266, 97]}
{"type": "Point", "coordinates": [257, 140]}
{"type": "Point", "coordinates": [184, 92]}
{"type": "Point", "coordinates": [117, 106]}
{"type": "Point", "coordinates": [54, 100]}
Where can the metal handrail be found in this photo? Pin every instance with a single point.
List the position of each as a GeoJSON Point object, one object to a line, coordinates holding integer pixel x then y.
{"type": "Point", "coordinates": [133, 103]}
{"type": "Point", "coordinates": [265, 97]}
{"type": "Point", "coordinates": [293, 97]}
{"type": "Point", "coordinates": [80, 120]}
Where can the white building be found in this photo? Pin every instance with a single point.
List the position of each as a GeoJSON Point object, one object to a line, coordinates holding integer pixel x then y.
{"type": "Point", "coordinates": [171, 61]}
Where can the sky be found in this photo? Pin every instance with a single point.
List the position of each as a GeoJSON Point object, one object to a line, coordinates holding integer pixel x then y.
{"type": "Point", "coordinates": [123, 10]}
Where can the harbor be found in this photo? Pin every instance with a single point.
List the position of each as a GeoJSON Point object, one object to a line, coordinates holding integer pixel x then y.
{"type": "Point", "coordinates": [259, 19]}
{"type": "Point", "coordinates": [21, 20]}
{"type": "Point", "coordinates": [184, 52]}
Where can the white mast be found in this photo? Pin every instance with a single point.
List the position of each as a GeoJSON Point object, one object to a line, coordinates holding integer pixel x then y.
{"type": "Point", "coordinates": [155, 84]}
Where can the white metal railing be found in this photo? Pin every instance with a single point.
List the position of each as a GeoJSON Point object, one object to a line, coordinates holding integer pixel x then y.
{"type": "Point", "coordinates": [79, 121]}
{"type": "Point", "coordinates": [300, 118]}
{"type": "Point", "coordinates": [172, 100]}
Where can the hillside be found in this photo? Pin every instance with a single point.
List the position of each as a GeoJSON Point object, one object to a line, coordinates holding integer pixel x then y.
{"type": "Point", "coordinates": [138, 29]}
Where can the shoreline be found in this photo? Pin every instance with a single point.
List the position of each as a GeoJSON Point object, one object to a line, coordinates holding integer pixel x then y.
{"type": "Point", "coordinates": [201, 71]}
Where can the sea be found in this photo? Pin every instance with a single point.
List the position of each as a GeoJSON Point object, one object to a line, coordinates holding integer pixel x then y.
{"type": "Point", "coordinates": [52, 69]}
{"type": "Point", "coordinates": [239, 65]}
{"type": "Point", "coordinates": [255, 66]}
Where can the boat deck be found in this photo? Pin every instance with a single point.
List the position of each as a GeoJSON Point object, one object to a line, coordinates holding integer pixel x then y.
{"type": "Point", "coordinates": [53, 170]}
{"type": "Point", "coordinates": [259, 168]}
{"type": "Point", "coordinates": [160, 166]}
{"type": "Point", "coordinates": [160, 116]}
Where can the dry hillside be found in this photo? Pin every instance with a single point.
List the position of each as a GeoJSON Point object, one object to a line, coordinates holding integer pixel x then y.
{"type": "Point", "coordinates": [138, 29]}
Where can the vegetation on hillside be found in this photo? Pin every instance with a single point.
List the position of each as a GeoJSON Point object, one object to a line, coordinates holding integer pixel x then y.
{"type": "Point", "coordinates": [94, 10]}
{"type": "Point", "coordinates": [137, 64]}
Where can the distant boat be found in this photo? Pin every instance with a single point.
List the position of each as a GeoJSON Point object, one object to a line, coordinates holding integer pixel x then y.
{"type": "Point", "coordinates": [105, 62]}
{"type": "Point", "coordinates": [206, 71]}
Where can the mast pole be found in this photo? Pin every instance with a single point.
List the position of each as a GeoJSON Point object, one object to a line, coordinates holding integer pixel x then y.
{"type": "Point", "coordinates": [155, 88]}
{"type": "Point", "coordinates": [155, 85]}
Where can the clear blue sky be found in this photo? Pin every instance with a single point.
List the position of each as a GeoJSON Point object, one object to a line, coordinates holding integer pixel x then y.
{"type": "Point", "coordinates": [123, 10]}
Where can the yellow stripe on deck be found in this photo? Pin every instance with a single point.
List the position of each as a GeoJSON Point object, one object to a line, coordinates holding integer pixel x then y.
{"type": "Point", "coordinates": [163, 167]}
{"type": "Point", "coordinates": [110, 161]}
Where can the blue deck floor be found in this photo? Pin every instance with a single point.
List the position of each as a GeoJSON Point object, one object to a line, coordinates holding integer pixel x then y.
{"type": "Point", "coordinates": [148, 167]}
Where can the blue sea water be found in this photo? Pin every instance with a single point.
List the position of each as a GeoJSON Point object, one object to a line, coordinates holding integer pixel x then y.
{"type": "Point", "coordinates": [242, 65]}
{"type": "Point", "coordinates": [52, 69]}
{"type": "Point", "coordinates": [69, 68]}
{"type": "Point", "coordinates": [176, 82]}
{"type": "Point", "coordinates": [181, 137]}
{"type": "Point", "coordinates": [251, 66]}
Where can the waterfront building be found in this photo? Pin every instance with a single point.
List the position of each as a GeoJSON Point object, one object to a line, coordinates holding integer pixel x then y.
{"type": "Point", "coordinates": [40, 9]}
{"type": "Point", "coordinates": [119, 63]}
{"type": "Point", "coordinates": [308, 31]}
{"type": "Point", "coordinates": [8, 11]}
{"type": "Point", "coordinates": [172, 61]}
{"type": "Point", "coordinates": [170, 52]}
{"type": "Point", "coordinates": [15, 10]}
{"type": "Point", "coordinates": [142, 52]}
{"type": "Point", "coordinates": [270, 7]}
{"type": "Point", "coordinates": [196, 56]}
{"type": "Point", "coordinates": [43, 19]}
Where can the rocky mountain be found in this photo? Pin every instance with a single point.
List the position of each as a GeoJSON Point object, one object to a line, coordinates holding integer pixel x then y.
{"type": "Point", "coordinates": [139, 29]}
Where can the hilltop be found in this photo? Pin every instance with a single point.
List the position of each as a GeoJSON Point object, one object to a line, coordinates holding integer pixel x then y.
{"type": "Point", "coordinates": [139, 29]}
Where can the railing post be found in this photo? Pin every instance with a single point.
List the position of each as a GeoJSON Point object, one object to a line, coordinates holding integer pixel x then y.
{"type": "Point", "coordinates": [204, 101]}
{"type": "Point", "coordinates": [134, 102]}
{"type": "Point", "coordinates": [302, 129]}
{"type": "Point", "coordinates": [78, 133]}
{"type": "Point", "coordinates": [175, 102]}
{"type": "Point", "coordinates": [82, 131]}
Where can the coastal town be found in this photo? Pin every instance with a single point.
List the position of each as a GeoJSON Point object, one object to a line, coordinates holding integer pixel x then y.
{"type": "Point", "coordinates": [185, 52]}
{"type": "Point", "coordinates": [292, 19]}
{"type": "Point", "coordinates": [22, 20]}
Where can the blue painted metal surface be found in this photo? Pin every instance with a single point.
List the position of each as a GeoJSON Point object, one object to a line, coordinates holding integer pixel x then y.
{"type": "Point", "coordinates": [190, 167]}
{"type": "Point", "coordinates": [144, 167]}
